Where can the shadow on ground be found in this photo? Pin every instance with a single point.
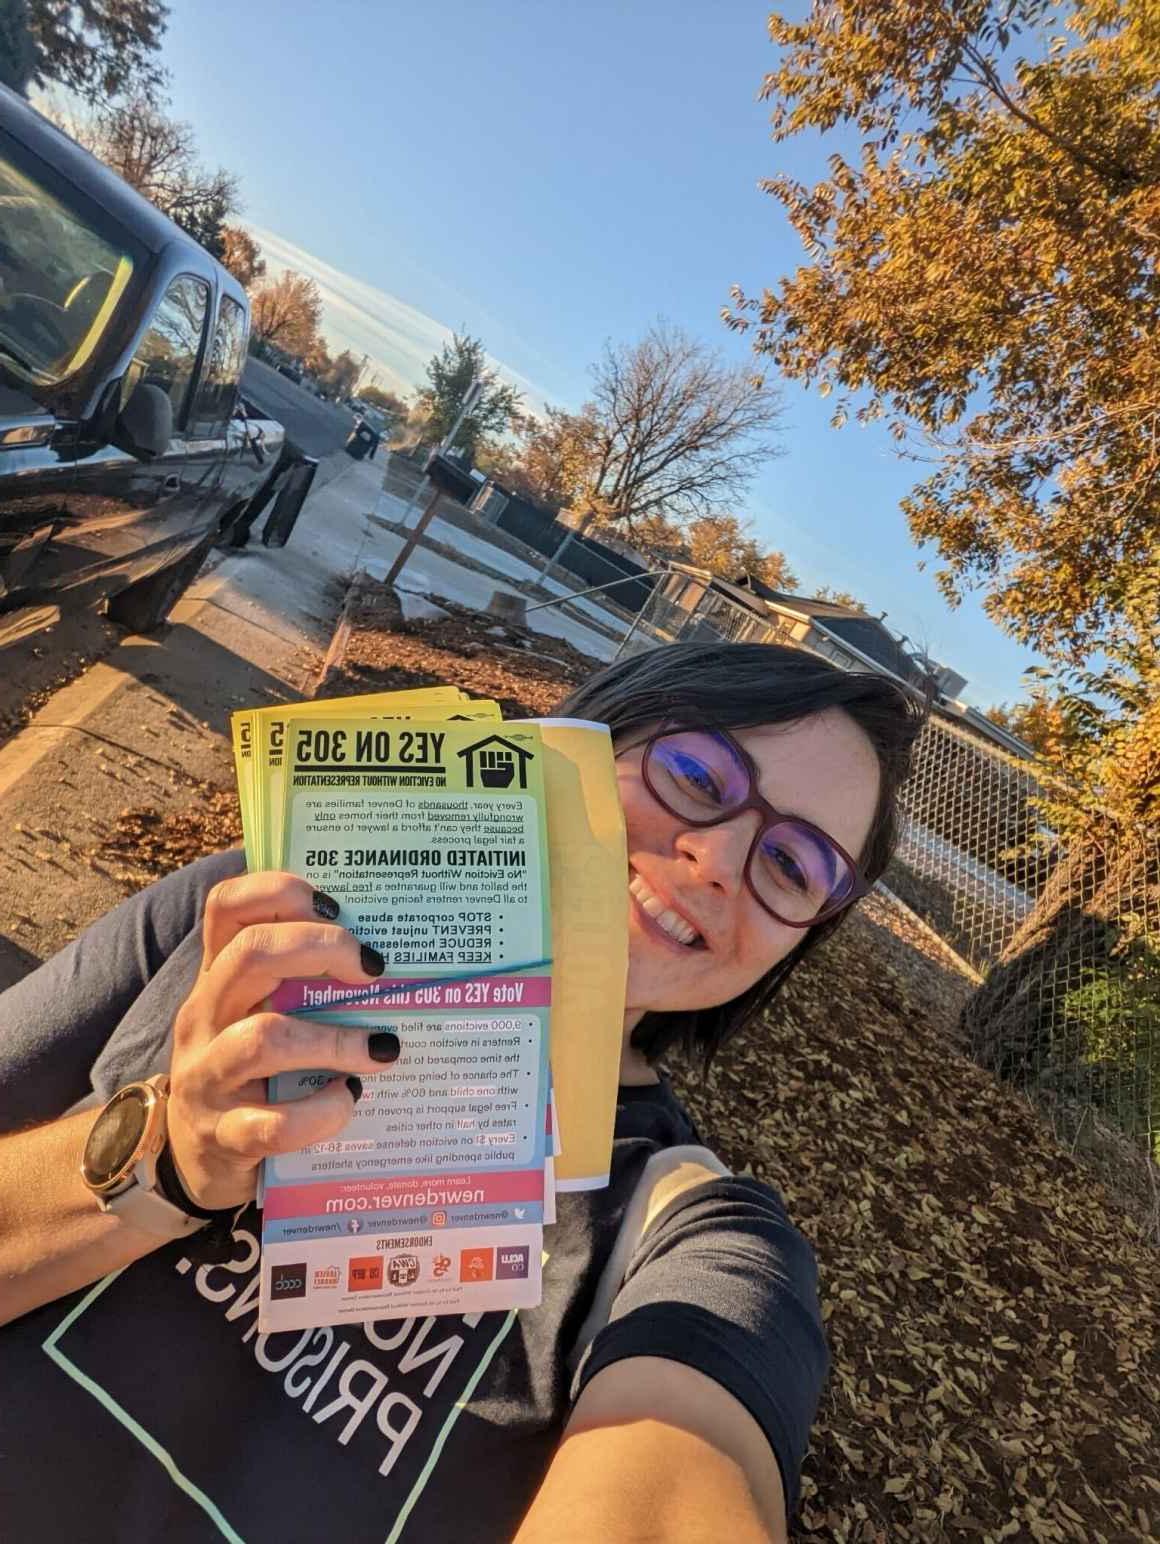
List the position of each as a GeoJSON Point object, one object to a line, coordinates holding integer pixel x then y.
{"type": "Point", "coordinates": [15, 962]}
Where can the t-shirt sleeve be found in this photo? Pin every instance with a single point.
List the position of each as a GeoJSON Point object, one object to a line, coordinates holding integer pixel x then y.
{"type": "Point", "coordinates": [724, 1283]}
{"type": "Point", "coordinates": [56, 1022]}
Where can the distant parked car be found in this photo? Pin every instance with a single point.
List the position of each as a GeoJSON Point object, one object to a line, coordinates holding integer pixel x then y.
{"type": "Point", "coordinates": [292, 373]}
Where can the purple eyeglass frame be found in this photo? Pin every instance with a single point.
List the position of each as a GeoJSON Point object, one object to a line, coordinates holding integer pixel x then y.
{"type": "Point", "coordinates": [770, 817]}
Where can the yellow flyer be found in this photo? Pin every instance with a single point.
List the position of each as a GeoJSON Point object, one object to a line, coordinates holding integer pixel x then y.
{"type": "Point", "coordinates": [269, 729]}
{"type": "Point", "coordinates": [589, 862]}
{"type": "Point", "coordinates": [265, 762]}
{"type": "Point", "coordinates": [248, 759]}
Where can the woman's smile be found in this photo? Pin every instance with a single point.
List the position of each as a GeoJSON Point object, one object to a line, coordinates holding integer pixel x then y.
{"type": "Point", "coordinates": [660, 919]}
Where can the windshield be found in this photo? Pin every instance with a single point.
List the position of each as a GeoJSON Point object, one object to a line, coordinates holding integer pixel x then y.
{"type": "Point", "coordinates": [59, 282]}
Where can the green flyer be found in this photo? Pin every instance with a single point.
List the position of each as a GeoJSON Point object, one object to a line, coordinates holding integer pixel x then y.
{"type": "Point", "coordinates": [433, 839]}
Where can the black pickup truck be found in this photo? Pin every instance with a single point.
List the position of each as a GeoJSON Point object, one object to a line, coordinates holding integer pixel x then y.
{"type": "Point", "coordinates": [126, 450]}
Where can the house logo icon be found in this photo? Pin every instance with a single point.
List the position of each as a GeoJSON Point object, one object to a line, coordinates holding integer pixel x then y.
{"type": "Point", "coordinates": [495, 763]}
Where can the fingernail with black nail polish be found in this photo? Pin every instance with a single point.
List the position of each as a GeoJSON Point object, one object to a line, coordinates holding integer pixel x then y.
{"type": "Point", "coordinates": [325, 906]}
{"type": "Point", "coordinates": [372, 961]}
{"type": "Point", "coordinates": [355, 1086]}
{"type": "Point", "coordinates": [383, 1047]}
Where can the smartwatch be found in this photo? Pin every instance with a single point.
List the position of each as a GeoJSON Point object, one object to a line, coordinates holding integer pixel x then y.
{"type": "Point", "coordinates": [121, 1157]}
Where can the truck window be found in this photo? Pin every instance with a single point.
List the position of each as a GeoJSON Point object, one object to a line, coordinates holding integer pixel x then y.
{"type": "Point", "coordinates": [60, 281]}
{"type": "Point", "coordinates": [218, 392]}
{"type": "Point", "coordinates": [167, 356]}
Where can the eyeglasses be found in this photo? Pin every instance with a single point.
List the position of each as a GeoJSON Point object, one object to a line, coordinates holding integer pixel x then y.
{"type": "Point", "coordinates": [794, 870]}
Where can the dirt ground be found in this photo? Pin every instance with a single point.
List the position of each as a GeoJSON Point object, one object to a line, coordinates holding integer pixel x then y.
{"type": "Point", "coordinates": [993, 1311]}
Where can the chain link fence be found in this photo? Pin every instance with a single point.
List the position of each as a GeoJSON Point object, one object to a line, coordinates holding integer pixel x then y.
{"type": "Point", "coordinates": [973, 855]}
{"type": "Point", "coordinates": [1065, 935]}
{"type": "Point", "coordinates": [684, 605]}
{"type": "Point", "coordinates": [1063, 938]}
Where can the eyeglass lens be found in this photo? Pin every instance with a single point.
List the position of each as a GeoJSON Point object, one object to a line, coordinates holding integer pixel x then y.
{"type": "Point", "coordinates": [794, 869]}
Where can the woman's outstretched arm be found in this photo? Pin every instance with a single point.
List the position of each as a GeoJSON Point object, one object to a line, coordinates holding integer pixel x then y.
{"type": "Point", "coordinates": [259, 930]}
{"type": "Point", "coordinates": [53, 1236]}
{"type": "Point", "coordinates": [695, 1400]}
{"type": "Point", "coordinates": [654, 1451]}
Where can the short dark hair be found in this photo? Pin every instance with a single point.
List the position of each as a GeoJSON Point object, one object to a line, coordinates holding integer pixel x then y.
{"type": "Point", "coordinates": [739, 686]}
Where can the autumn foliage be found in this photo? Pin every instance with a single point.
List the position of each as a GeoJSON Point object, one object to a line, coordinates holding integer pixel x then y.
{"type": "Point", "coordinates": [287, 312]}
{"type": "Point", "coordinates": [982, 276]}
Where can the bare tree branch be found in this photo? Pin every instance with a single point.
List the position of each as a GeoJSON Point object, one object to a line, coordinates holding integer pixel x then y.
{"type": "Point", "coordinates": [681, 432]}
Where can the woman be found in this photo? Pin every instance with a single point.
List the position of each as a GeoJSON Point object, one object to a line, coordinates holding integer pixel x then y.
{"type": "Point", "coordinates": [664, 1391]}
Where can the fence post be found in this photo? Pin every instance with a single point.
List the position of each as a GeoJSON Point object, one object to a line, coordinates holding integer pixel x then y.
{"type": "Point", "coordinates": [574, 531]}
{"type": "Point", "coordinates": [636, 619]}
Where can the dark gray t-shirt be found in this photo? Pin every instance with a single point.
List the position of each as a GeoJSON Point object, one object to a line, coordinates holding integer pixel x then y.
{"type": "Point", "coordinates": [147, 1406]}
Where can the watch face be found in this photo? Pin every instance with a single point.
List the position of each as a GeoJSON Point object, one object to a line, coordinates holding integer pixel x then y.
{"type": "Point", "coordinates": [113, 1140]}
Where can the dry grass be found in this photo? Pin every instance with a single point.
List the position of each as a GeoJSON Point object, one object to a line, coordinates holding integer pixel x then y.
{"type": "Point", "coordinates": [993, 1312]}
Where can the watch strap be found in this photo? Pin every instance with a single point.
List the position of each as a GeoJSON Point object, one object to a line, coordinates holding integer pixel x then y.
{"type": "Point", "coordinates": [151, 1212]}
{"type": "Point", "coordinates": [168, 1183]}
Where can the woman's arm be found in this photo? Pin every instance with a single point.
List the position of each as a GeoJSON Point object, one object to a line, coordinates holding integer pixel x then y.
{"type": "Point", "coordinates": [54, 1238]}
{"type": "Point", "coordinates": [258, 931]}
{"type": "Point", "coordinates": [55, 1024]}
{"type": "Point", "coordinates": [694, 1402]}
{"type": "Point", "coordinates": [657, 1451]}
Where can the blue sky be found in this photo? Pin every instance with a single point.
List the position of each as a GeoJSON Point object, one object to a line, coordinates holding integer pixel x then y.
{"type": "Point", "coordinates": [550, 177]}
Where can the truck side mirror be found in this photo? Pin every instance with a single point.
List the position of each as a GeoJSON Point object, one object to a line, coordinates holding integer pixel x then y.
{"type": "Point", "coordinates": [144, 425]}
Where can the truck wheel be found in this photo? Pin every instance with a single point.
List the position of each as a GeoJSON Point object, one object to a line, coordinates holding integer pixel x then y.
{"type": "Point", "coordinates": [144, 606]}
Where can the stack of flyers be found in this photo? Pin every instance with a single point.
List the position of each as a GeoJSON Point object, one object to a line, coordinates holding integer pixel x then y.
{"type": "Point", "coordinates": [485, 861]}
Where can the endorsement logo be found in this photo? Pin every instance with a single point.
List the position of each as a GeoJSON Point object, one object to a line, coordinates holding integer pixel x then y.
{"type": "Point", "coordinates": [476, 1264]}
{"type": "Point", "coordinates": [364, 1274]}
{"type": "Point", "coordinates": [511, 1262]}
{"type": "Point", "coordinates": [440, 1266]}
{"type": "Point", "coordinates": [287, 1281]}
{"type": "Point", "coordinates": [402, 1270]}
{"type": "Point", "coordinates": [326, 1277]}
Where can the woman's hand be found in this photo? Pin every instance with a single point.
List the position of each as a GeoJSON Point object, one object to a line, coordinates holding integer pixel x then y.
{"type": "Point", "coordinates": [260, 930]}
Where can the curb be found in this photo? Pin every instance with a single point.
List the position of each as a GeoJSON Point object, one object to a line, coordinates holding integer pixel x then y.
{"type": "Point", "coordinates": [361, 586]}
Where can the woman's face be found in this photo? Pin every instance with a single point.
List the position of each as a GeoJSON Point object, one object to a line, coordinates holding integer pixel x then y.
{"type": "Point", "coordinates": [823, 769]}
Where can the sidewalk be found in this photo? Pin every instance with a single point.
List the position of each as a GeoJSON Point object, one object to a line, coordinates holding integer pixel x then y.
{"type": "Point", "coordinates": [148, 727]}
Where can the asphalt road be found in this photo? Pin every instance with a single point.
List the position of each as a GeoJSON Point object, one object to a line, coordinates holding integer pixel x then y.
{"type": "Point", "coordinates": [315, 428]}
